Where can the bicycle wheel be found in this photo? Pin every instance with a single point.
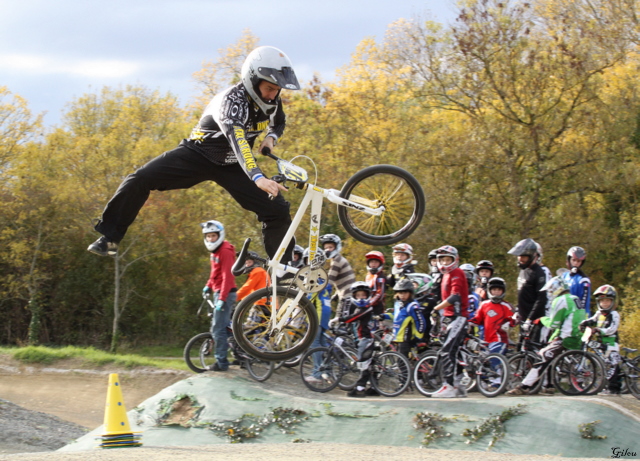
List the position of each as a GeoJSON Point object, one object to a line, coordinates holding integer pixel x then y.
{"type": "Point", "coordinates": [426, 374]}
{"type": "Point", "coordinates": [575, 372]}
{"type": "Point", "coordinates": [390, 373]}
{"type": "Point", "coordinates": [519, 365]}
{"type": "Point", "coordinates": [350, 370]}
{"type": "Point", "coordinates": [320, 369]}
{"type": "Point", "coordinates": [293, 362]}
{"type": "Point", "coordinates": [260, 370]}
{"type": "Point", "coordinates": [382, 185]}
{"type": "Point", "coordinates": [601, 377]}
{"type": "Point", "coordinates": [289, 332]}
{"type": "Point", "coordinates": [198, 354]}
{"type": "Point", "coordinates": [492, 375]}
{"type": "Point", "coordinates": [632, 376]}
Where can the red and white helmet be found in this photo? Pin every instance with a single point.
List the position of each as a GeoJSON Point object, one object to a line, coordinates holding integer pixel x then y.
{"type": "Point", "coordinates": [449, 251]}
{"type": "Point", "coordinates": [378, 256]}
{"type": "Point", "coordinates": [402, 248]}
{"type": "Point", "coordinates": [576, 253]}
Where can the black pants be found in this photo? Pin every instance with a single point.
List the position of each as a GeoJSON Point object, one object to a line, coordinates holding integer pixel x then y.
{"type": "Point", "coordinates": [456, 332]}
{"type": "Point", "coordinates": [182, 168]}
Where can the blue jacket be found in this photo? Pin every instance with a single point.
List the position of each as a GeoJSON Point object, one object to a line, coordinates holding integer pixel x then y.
{"type": "Point", "coordinates": [580, 286]}
{"type": "Point", "coordinates": [408, 321]}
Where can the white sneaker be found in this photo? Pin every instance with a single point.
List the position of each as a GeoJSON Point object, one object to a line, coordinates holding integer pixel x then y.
{"type": "Point", "coordinates": [312, 380]}
{"type": "Point", "coordinates": [447, 391]}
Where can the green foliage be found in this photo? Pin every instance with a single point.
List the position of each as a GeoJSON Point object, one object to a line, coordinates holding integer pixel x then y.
{"type": "Point", "coordinates": [493, 426]}
{"type": "Point", "coordinates": [515, 125]}
{"type": "Point", "coordinates": [588, 431]}
{"type": "Point", "coordinates": [90, 356]}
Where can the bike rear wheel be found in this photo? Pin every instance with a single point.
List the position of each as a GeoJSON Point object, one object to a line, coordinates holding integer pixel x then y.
{"type": "Point", "coordinates": [199, 351]}
{"type": "Point", "coordinates": [382, 185]}
{"type": "Point", "coordinates": [390, 373]}
{"type": "Point", "coordinates": [320, 369]}
{"type": "Point", "coordinates": [492, 375]}
{"type": "Point", "coordinates": [252, 324]}
{"type": "Point", "coordinates": [520, 364]}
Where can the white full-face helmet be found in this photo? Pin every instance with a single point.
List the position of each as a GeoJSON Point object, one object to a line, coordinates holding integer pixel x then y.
{"type": "Point", "coordinates": [270, 64]}
{"type": "Point", "coordinates": [210, 227]}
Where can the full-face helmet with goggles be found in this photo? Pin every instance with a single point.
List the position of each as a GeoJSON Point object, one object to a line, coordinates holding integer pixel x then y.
{"type": "Point", "coordinates": [210, 227]}
{"type": "Point", "coordinates": [272, 65]}
{"type": "Point", "coordinates": [255, 259]}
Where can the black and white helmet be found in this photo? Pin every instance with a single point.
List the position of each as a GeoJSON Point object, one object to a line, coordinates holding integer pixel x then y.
{"type": "Point", "coordinates": [210, 227]}
{"type": "Point", "coordinates": [496, 282]}
{"type": "Point", "coordinates": [331, 238]}
{"type": "Point", "coordinates": [404, 284]}
{"type": "Point", "coordinates": [525, 247]}
{"type": "Point", "coordinates": [257, 262]}
{"type": "Point", "coordinates": [270, 64]}
{"type": "Point", "coordinates": [297, 250]}
{"type": "Point", "coordinates": [360, 286]}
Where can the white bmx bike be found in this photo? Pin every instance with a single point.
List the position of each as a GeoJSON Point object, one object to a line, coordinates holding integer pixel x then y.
{"type": "Point", "coordinates": [379, 205]}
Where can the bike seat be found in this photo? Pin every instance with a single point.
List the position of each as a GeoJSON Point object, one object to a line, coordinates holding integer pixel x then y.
{"type": "Point", "coordinates": [238, 266]}
{"type": "Point", "coordinates": [628, 350]}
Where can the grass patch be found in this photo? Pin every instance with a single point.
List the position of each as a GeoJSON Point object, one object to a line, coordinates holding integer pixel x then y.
{"type": "Point", "coordinates": [89, 356]}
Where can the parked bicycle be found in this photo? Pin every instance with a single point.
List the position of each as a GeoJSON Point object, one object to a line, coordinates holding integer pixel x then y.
{"type": "Point", "coordinates": [324, 368]}
{"type": "Point", "coordinates": [199, 352]}
{"type": "Point", "coordinates": [488, 371]}
{"type": "Point", "coordinates": [379, 205]}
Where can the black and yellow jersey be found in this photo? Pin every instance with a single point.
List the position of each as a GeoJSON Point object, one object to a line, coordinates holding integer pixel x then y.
{"type": "Point", "coordinates": [229, 127]}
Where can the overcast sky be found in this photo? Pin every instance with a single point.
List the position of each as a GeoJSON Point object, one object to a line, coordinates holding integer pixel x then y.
{"type": "Point", "coordinates": [56, 50]}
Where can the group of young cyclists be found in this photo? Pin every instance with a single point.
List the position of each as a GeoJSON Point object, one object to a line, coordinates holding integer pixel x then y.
{"type": "Point", "coordinates": [438, 309]}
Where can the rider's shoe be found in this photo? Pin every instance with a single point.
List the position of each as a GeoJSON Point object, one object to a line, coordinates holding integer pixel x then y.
{"type": "Point", "coordinates": [313, 380]}
{"type": "Point", "coordinates": [216, 367]}
{"type": "Point", "coordinates": [548, 390]}
{"type": "Point", "coordinates": [608, 392]}
{"type": "Point", "coordinates": [447, 391]}
{"type": "Point", "coordinates": [104, 247]}
{"type": "Point", "coordinates": [356, 393]}
{"type": "Point", "coordinates": [518, 390]}
{"type": "Point", "coordinates": [371, 391]}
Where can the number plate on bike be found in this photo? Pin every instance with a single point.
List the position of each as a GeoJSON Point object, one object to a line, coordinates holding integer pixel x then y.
{"type": "Point", "coordinates": [338, 341]}
{"type": "Point", "coordinates": [594, 345]}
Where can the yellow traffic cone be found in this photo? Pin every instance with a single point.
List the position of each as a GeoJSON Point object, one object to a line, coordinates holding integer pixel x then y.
{"type": "Point", "coordinates": [116, 424]}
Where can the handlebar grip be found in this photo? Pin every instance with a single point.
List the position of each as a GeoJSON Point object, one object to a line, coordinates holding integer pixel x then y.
{"type": "Point", "coordinates": [267, 152]}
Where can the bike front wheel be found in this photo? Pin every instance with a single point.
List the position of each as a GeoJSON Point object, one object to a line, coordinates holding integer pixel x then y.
{"type": "Point", "coordinates": [260, 370]}
{"type": "Point", "coordinates": [632, 376]}
{"type": "Point", "coordinates": [576, 372]}
{"type": "Point", "coordinates": [390, 373]}
{"type": "Point", "coordinates": [277, 328]}
{"type": "Point", "coordinates": [492, 376]}
{"type": "Point", "coordinates": [392, 187]}
{"type": "Point", "coordinates": [199, 352]}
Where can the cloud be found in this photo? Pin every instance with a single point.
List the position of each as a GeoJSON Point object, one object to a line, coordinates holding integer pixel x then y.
{"type": "Point", "coordinates": [92, 68]}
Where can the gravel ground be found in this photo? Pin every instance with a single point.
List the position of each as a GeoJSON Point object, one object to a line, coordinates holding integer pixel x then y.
{"type": "Point", "coordinates": [31, 431]}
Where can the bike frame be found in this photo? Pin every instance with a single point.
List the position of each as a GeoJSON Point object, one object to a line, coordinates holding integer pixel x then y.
{"type": "Point", "coordinates": [313, 198]}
